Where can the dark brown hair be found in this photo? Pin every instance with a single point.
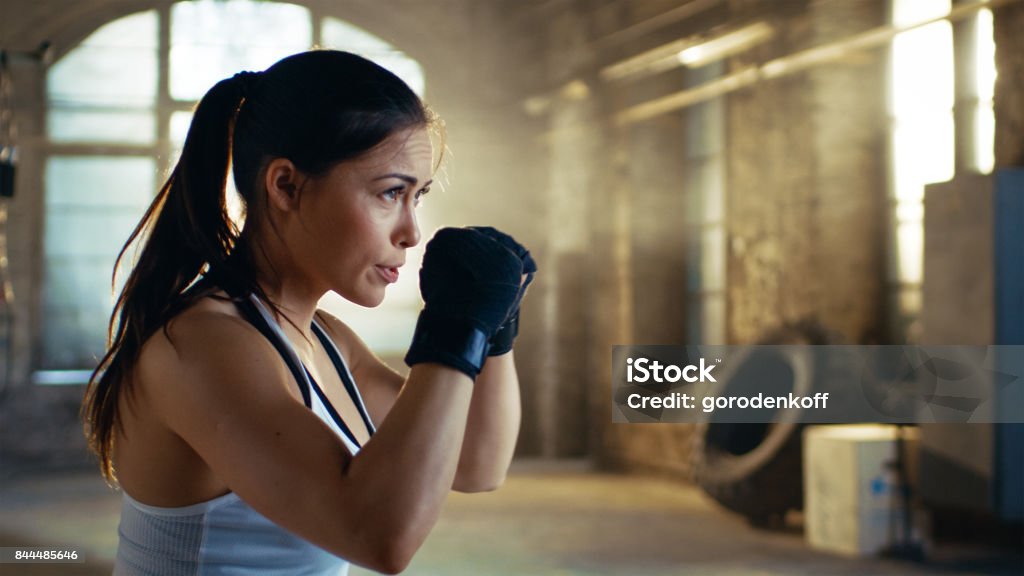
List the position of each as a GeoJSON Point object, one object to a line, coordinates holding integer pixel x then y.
{"type": "Point", "coordinates": [315, 109]}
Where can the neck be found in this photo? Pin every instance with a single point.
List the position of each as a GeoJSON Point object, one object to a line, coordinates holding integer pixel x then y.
{"type": "Point", "coordinates": [294, 309]}
{"type": "Point", "coordinates": [293, 293]}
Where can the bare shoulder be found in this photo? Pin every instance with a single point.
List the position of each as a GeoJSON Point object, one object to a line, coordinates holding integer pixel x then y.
{"type": "Point", "coordinates": [203, 331]}
{"type": "Point", "coordinates": [203, 322]}
{"type": "Point", "coordinates": [209, 342]}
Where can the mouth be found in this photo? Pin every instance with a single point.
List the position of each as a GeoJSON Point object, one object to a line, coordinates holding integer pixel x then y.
{"type": "Point", "coordinates": [389, 273]}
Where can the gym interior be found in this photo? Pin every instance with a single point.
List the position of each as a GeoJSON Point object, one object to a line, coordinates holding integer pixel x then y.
{"type": "Point", "coordinates": [685, 172]}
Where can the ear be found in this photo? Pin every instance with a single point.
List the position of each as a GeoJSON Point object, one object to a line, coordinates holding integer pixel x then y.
{"type": "Point", "coordinates": [283, 181]}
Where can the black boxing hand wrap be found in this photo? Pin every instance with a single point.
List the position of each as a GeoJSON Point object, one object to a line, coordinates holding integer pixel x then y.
{"type": "Point", "coordinates": [505, 337]}
{"type": "Point", "coordinates": [454, 342]}
{"type": "Point", "coordinates": [469, 283]}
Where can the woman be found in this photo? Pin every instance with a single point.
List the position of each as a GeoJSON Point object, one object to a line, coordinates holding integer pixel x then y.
{"type": "Point", "coordinates": [227, 403]}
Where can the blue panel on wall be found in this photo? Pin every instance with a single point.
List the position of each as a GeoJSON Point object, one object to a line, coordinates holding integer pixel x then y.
{"type": "Point", "coordinates": [1009, 296]}
{"type": "Point", "coordinates": [1009, 248]}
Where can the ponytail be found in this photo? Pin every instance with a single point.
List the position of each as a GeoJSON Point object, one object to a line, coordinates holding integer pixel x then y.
{"type": "Point", "coordinates": [187, 230]}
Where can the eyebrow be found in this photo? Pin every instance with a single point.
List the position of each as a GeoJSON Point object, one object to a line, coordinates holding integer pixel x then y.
{"type": "Point", "coordinates": [404, 177]}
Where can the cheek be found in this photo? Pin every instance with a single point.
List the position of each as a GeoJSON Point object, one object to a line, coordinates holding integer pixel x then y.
{"type": "Point", "coordinates": [357, 236]}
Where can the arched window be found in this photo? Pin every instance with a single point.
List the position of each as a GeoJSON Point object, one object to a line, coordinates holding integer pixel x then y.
{"type": "Point", "coordinates": [118, 108]}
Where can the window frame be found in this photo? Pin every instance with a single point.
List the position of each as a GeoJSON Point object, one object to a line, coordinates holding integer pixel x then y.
{"type": "Point", "coordinates": [163, 150]}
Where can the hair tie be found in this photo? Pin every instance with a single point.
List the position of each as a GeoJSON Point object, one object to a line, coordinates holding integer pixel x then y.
{"type": "Point", "coordinates": [246, 80]}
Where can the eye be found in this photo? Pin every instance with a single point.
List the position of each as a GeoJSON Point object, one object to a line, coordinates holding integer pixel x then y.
{"type": "Point", "coordinates": [421, 193]}
{"type": "Point", "coordinates": [393, 194]}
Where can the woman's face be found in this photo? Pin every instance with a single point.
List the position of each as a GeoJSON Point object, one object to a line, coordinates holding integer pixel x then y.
{"type": "Point", "coordinates": [360, 217]}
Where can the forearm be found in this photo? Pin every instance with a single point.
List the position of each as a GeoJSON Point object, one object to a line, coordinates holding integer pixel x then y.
{"type": "Point", "coordinates": [492, 427]}
{"type": "Point", "coordinates": [405, 472]}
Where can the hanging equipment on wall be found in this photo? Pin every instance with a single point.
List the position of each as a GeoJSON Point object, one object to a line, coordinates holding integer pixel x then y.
{"type": "Point", "coordinates": [8, 162]}
{"type": "Point", "coordinates": [8, 158]}
{"type": "Point", "coordinates": [8, 130]}
{"type": "Point", "coordinates": [8, 152]}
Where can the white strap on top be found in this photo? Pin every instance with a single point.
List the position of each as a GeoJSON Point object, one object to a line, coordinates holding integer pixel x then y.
{"type": "Point", "coordinates": [315, 401]}
{"type": "Point", "coordinates": [348, 375]}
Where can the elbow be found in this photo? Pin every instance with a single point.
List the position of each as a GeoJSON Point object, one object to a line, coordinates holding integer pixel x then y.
{"type": "Point", "coordinates": [393, 558]}
{"type": "Point", "coordinates": [478, 484]}
{"type": "Point", "coordinates": [394, 565]}
{"type": "Point", "coordinates": [478, 488]}
{"type": "Point", "coordinates": [396, 547]}
{"type": "Point", "coordinates": [477, 473]}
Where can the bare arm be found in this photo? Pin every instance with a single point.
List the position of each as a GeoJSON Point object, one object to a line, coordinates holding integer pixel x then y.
{"type": "Point", "coordinates": [492, 427]}
{"type": "Point", "coordinates": [494, 413]}
{"type": "Point", "coordinates": [223, 389]}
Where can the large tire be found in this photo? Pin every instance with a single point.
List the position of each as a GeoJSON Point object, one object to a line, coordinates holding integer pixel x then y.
{"type": "Point", "coordinates": [756, 469]}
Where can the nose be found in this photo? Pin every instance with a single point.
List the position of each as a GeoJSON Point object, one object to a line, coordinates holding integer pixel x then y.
{"type": "Point", "coordinates": [407, 234]}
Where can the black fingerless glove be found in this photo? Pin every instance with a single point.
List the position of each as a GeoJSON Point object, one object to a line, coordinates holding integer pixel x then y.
{"type": "Point", "coordinates": [469, 283]}
{"type": "Point", "coordinates": [503, 339]}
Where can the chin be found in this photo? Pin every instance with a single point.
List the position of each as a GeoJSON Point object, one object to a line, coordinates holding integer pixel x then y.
{"type": "Point", "coordinates": [366, 299]}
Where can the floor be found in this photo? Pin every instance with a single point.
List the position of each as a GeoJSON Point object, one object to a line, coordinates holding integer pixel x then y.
{"type": "Point", "coordinates": [548, 519]}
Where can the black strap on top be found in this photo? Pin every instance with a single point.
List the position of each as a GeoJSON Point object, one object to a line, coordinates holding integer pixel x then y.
{"type": "Point", "coordinates": [334, 413]}
{"type": "Point", "coordinates": [252, 314]}
{"type": "Point", "coordinates": [350, 386]}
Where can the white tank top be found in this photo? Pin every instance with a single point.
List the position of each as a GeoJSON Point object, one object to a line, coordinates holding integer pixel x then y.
{"type": "Point", "coordinates": [225, 535]}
